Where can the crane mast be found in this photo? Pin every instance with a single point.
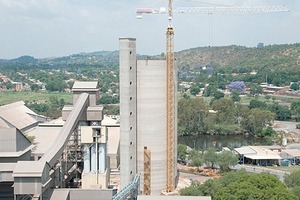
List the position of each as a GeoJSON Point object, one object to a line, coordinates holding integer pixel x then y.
{"type": "Point", "coordinates": [170, 128]}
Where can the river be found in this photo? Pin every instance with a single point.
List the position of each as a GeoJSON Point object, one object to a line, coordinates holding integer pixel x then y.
{"type": "Point", "coordinates": [202, 142]}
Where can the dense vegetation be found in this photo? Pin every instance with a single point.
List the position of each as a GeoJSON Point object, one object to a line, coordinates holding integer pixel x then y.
{"type": "Point", "coordinates": [224, 160]}
{"type": "Point", "coordinates": [241, 185]}
{"type": "Point", "coordinates": [293, 182]}
{"type": "Point", "coordinates": [51, 109]}
{"type": "Point", "coordinates": [195, 117]}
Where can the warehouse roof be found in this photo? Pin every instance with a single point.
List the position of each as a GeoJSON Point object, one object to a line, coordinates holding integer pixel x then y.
{"type": "Point", "coordinates": [45, 135]}
{"type": "Point", "coordinates": [17, 115]}
{"type": "Point", "coordinates": [245, 150]}
{"type": "Point", "coordinates": [291, 152]}
{"type": "Point", "coordinates": [258, 153]}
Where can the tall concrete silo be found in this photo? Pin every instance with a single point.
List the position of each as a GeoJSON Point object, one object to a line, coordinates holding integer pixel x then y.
{"type": "Point", "coordinates": [128, 115]}
{"type": "Point", "coordinates": [149, 96]}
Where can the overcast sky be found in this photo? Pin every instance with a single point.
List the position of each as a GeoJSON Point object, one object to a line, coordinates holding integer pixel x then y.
{"type": "Point", "coordinates": [47, 28]}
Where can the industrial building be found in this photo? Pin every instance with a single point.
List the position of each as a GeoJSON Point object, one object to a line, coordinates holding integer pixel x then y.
{"type": "Point", "coordinates": [143, 103]}
{"type": "Point", "coordinates": [14, 147]}
{"type": "Point", "coordinates": [259, 155]}
{"type": "Point", "coordinates": [75, 156]}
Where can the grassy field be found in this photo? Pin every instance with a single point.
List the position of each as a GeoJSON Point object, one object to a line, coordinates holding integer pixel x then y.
{"type": "Point", "coordinates": [10, 97]}
{"type": "Point", "coordinates": [246, 99]}
{"type": "Point", "coordinates": [283, 99]}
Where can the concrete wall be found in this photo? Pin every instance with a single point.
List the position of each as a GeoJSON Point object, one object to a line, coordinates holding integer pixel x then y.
{"type": "Point", "coordinates": [11, 140]}
{"type": "Point", "coordinates": [91, 194]}
{"type": "Point", "coordinates": [90, 180]}
{"type": "Point", "coordinates": [127, 109]}
{"type": "Point", "coordinates": [151, 121]}
{"type": "Point", "coordinates": [8, 140]}
{"type": "Point", "coordinates": [94, 95]}
{"type": "Point", "coordinates": [82, 194]}
{"type": "Point", "coordinates": [113, 146]}
{"type": "Point", "coordinates": [28, 185]}
{"type": "Point", "coordinates": [92, 113]}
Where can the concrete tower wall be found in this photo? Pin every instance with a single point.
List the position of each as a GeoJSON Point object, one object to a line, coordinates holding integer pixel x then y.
{"type": "Point", "coordinates": [143, 117]}
{"type": "Point", "coordinates": [127, 109]}
{"type": "Point", "coordinates": [151, 120]}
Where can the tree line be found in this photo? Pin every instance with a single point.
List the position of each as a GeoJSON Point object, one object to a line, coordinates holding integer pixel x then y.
{"type": "Point", "coordinates": [222, 116]}
{"type": "Point", "coordinates": [211, 158]}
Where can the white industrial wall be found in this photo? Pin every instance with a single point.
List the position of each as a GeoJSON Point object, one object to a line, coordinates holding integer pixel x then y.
{"type": "Point", "coordinates": [151, 120]}
{"type": "Point", "coordinates": [127, 62]}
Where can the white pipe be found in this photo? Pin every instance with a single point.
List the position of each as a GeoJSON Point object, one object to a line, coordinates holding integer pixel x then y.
{"type": "Point", "coordinates": [97, 154]}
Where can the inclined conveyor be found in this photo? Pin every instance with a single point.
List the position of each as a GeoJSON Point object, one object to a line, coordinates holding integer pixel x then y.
{"type": "Point", "coordinates": [35, 177]}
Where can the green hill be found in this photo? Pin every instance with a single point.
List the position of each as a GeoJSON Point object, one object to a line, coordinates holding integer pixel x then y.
{"type": "Point", "coordinates": [272, 56]}
{"type": "Point", "coordinates": [231, 58]}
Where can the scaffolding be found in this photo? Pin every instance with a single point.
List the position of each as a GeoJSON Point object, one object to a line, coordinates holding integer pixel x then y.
{"type": "Point", "coordinates": [147, 171]}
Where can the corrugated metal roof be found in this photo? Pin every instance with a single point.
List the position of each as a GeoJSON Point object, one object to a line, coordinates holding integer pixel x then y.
{"type": "Point", "coordinates": [45, 136]}
{"type": "Point", "coordinates": [258, 153]}
{"type": "Point", "coordinates": [292, 152]}
{"type": "Point", "coordinates": [245, 150]}
{"type": "Point", "coordinates": [85, 85]}
{"type": "Point", "coordinates": [17, 114]}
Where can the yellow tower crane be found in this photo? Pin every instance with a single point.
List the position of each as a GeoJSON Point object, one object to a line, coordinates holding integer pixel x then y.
{"type": "Point", "coordinates": [170, 91]}
{"type": "Point", "coordinates": [170, 129]}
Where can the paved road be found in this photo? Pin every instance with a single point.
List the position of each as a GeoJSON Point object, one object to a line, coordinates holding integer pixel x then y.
{"type": "Point", "coordinates": [287, 126]}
